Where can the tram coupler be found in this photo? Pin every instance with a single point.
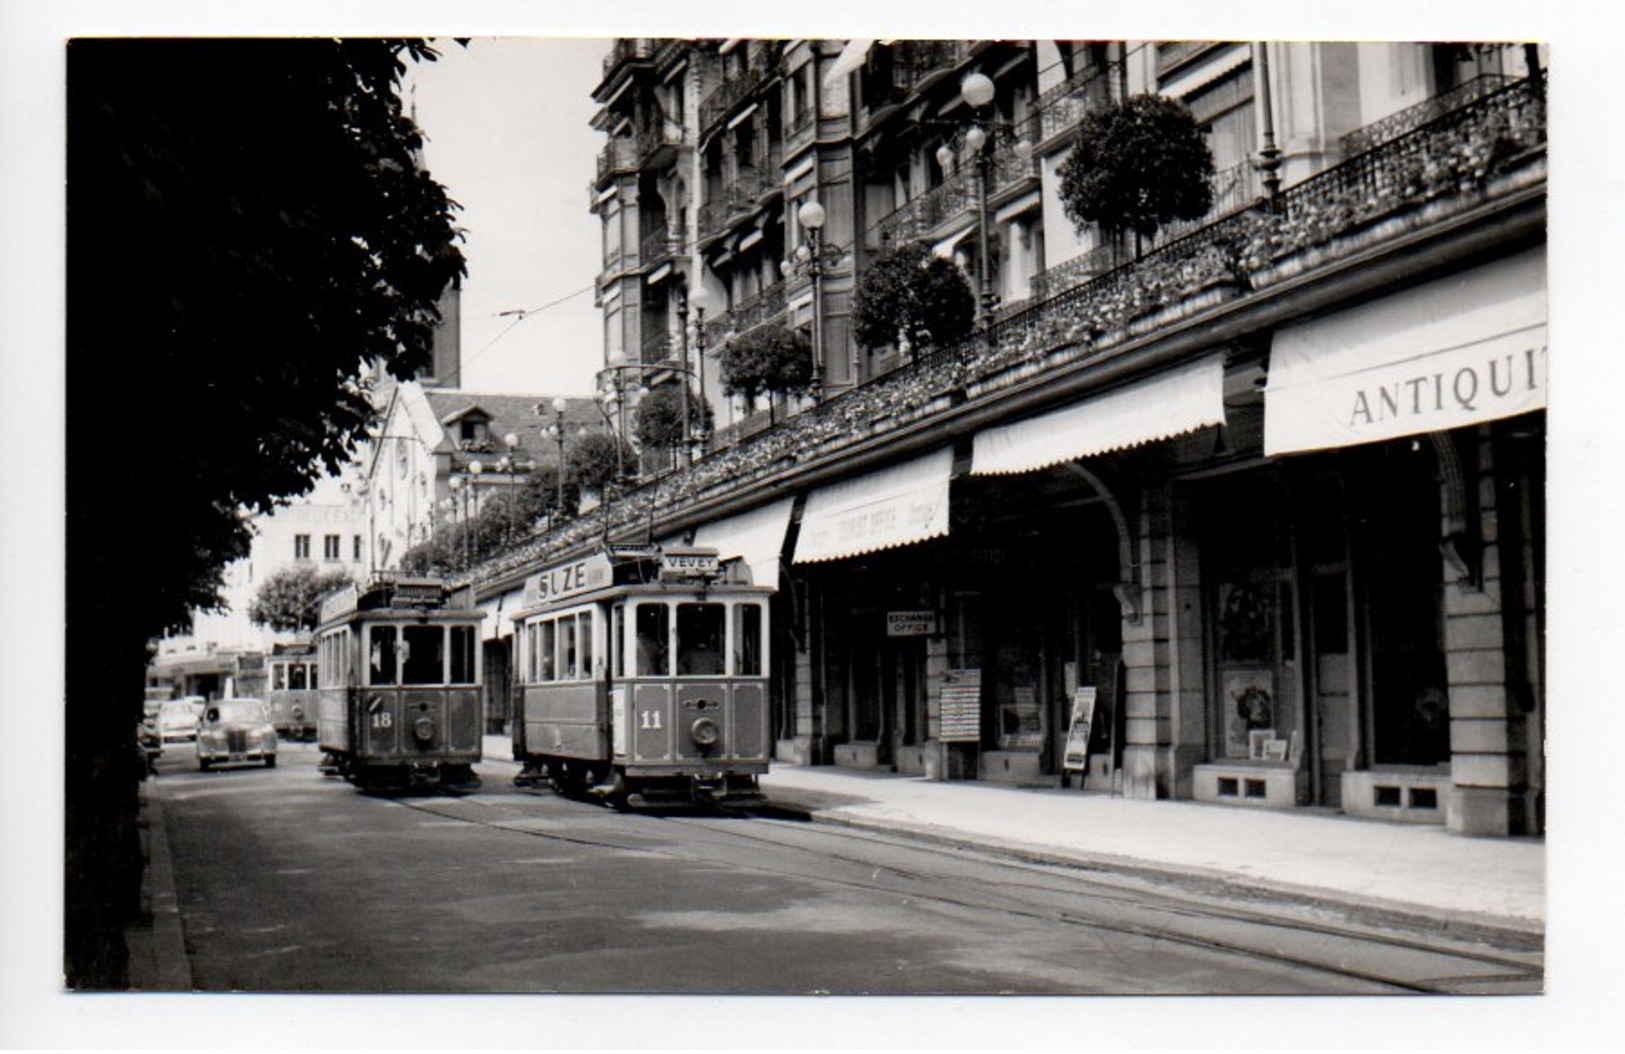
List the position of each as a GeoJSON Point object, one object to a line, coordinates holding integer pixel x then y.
{"type": "Point", "coordinates": [532, 775]}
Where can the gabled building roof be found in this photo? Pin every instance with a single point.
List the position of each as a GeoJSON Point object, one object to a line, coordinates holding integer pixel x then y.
{"type": "Point", "coordinates": [524, 416]}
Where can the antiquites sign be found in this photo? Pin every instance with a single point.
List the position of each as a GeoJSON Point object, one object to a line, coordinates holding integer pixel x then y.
{"type": "Point", "coordinates": [1446, 354]}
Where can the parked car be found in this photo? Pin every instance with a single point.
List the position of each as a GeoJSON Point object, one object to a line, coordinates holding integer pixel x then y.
{"type": "Point", "coordinates": [151, 745]}
{"type": "Point", "coordinates": [177, 719]}
{"type": "Point", "coordinates": [234, 730]}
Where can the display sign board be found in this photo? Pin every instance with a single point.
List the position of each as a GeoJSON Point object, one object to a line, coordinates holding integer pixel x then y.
{"type": "Point", "coordinates": [911, 623]}
{"type": "Point", "coordinates": [563, 580]}
{"type": "Point", "coordinates": [341, 602]}
{"type": "Point", "coordinates": [413, 592]}
{"type": "Point", "coordinates": [689, 563]}
{"type": "Point", "coordinates": [961, 707]}
{"type": "Point", "coordinates": [1076, 758]}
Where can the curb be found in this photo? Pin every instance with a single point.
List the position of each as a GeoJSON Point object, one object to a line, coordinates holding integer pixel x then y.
{"type": "Point", "coordinates": [158, 961]}
{"type": "Point", "coordinates": [1501, 931]}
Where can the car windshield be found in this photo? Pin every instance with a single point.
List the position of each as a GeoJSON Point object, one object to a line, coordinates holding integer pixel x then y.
{"type": "Point", "coordinates": [177, 713]}
{"type": "Point", "coordinates": [241, 711]}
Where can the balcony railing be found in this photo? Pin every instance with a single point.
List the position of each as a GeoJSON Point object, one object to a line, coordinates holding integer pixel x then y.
{"type": "Point", "coordinates": [658, 246]}
{"type": "Point", "coordinates": [1397, 124]}
{"type": "Point", "coordinates": [1065, 104]}
{"type": "Point", "coordinates": [1451, 165]}
{"type": "Point", "coordinates": [658, 132]}
{"type": "Point", "coordinates": [918, 217]}
{"type": "Point", "coordinates": [618, 155]}
{"type": "Point", "coordinates": [654, 344]}
{"type": "Point", "coordinates": [733, 90]}
{"type": "Point", "coordinates": [731, 201]}
{"type": "Point", "coordinates": [626, 49]}
{"type": "Point", "coordinates": [746, 315]}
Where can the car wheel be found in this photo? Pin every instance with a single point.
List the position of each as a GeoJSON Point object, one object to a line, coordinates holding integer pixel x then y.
{"type": "Point", "coordinates": [270, 762]}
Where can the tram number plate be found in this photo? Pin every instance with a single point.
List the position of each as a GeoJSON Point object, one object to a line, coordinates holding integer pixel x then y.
{"type": "Point", "coordinates": [649, 719]}
{"type": "Point", "coordinates": [382, 719]}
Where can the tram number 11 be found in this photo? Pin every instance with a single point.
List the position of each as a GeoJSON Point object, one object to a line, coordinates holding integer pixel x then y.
{"type": "Point", "coordinates": [649, 719]}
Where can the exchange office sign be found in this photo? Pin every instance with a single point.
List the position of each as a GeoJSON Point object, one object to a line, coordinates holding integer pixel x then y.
{"type": "Point", "coordinates": [911, 623]}
{"type": "Point", "coordinates": [1446, 354]}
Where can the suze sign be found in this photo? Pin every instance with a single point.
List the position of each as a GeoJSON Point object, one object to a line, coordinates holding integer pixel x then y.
{"type": "Point", "coordinates": [563, 580]}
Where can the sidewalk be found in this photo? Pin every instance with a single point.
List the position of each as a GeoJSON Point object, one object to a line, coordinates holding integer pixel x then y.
{"type": "Point", "coordinates": [1423, 874]}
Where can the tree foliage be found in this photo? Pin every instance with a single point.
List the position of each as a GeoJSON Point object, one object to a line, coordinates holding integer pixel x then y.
{"type": "Point", "coordinates": [909, 293]}
{"type": "Point", "coordinates": [768, 360]}
{"type": "Point", "coordinates": [598, 460]}
{"type": "Point", "coordinates": [290, 600]}
{"type": "Point", "coordinates": [247, 221]}
{"type": "Point", "coordinates": [1136, 166]}
{"type": "Point", "coordinates": [660, 417]}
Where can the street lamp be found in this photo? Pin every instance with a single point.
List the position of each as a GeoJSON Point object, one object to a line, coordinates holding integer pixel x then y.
{"type": "Point", "coordinates": [695, 298]}
{"type": "Point", "coordinates": [508, 466]}
{"type": "Point", "coordinates": [977, 92]}
{"type": "Point", "coordinates": [813, 258]}
{"type": "Point", "coordinates": [612, 398]}
{"type": "Point", "coordinates": [555, 431]}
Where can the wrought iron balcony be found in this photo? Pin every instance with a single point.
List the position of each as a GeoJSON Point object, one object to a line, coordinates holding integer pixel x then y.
{"type": "Point", "coordinates": [618, 156]}
{"type": "Point", "coordinates": [1064, 105]}
{"type": "Point", "coordinates": [746, 315]}
{"type": "Point", "coordinates": [725, 97]}
{"type": "Point", "coordinates": [732, 200]}
{"type": "Point", "coordinates": [922, 215]}
{"type": "Point", "coordinates": [627, 49]}
{"type": "Point", "coordinates": [657, 133]}
{"type": "Point", "coordinates": [1395, 125]}
{"type": "Point", "coordinates": [659, 246]}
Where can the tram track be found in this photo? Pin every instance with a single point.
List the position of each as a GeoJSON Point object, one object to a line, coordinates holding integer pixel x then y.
{"type": "Point", "coordinates": [1419, 965]}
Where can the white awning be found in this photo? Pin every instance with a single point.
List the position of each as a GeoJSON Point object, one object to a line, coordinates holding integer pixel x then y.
{"type": "Point", "coordinates": [1169, 404]}
{"type": "Point", "coordinates": [757, 537]}
{"type": "Point", "coordinates": [945, 248]}
{"type": "Point", "coordinates": [851, 57]}
{"type": "Point", "coordinates": [1448, 353]}
{"type": "Point", "coordinates": [894, 506]}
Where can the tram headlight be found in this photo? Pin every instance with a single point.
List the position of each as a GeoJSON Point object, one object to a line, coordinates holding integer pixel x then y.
{"type": "Point", "coordinates": [705, 733]}
{"type": "Point", "coordinates": [423, 730]}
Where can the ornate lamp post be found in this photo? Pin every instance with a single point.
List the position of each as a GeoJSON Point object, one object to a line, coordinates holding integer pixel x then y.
{"type": "Point", "coordinates": [813, 258]}
{"type": "Point", "coordinates": [508, 466]}
{"type": "Point", "coordinates": [612, 397]}
{"type": "Point", "coordinates": [977, 92]}
{"type": "Point", "coordinates": [555, 431]}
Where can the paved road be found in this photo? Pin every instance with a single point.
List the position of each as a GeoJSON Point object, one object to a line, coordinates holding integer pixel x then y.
{"type": "Point", "coordinates": [291, 881]}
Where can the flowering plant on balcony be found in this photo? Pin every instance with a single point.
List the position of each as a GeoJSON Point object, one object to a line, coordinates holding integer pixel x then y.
{"type": "Point", "coordinates": [1137, 165]}
{"type": "Point", "coordinates": [911, 296]}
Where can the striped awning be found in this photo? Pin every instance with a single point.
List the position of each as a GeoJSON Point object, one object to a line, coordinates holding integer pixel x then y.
{"type": "Point", "coordinates": [1168, 404]}
{"type": "Point", "coordinates": [885, 509]}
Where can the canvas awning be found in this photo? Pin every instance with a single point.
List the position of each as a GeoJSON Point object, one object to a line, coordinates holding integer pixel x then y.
{"type": "Point", "coordinates": [1159, 407]}
{"type": "Point", "coordinates": [1445, 354]}
{"type": "Point", "coordinates": [884, 509]}
{"type": "Point", "coordinates": [756, 537]}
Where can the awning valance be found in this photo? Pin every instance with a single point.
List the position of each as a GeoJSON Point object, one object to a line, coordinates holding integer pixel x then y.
{"type": "Point", "coordinates": [1168, 404]}
{"type": "Point", "coordinates": [1445, 354]}
{"type": "Point", "coordinates": [894, 506]}
{"type": "Point", "coordinates": [757, 537]}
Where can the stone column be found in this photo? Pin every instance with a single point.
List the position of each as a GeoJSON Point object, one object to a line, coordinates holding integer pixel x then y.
{"type": "Point", "coordinates": [1148, 757]}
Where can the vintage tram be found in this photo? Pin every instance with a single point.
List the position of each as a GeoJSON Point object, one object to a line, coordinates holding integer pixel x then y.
{"type": "Point", "coordinates": [292, 677]}
{"type": "Point", "coordinates": [643, 678]}
{"type": "Point", "coordinates": [400, 699]}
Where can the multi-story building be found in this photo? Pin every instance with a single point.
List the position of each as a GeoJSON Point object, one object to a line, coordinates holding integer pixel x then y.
{"type": "Point", "coordinates": [1262, 494]}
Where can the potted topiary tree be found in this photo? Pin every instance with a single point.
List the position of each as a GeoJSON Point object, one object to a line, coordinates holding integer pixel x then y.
{"type": "Point", "coordinates": [911, 297]}
{"type": "Point", "coordinates": [660, 417]}
{"type": "Point", "coordinates": [1136, 166]}
{"type": "Point", "coordinates": [769, 360]}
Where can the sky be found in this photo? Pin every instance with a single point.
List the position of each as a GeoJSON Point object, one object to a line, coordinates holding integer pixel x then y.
{"type": "Point", "coordinates": [506, 121]}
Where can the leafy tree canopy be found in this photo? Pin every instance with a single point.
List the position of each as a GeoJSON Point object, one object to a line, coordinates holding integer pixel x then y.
{"type": "Point", "coordinates": [1136, 166]}
{"type": "Point", "coordinates": [597, 460]}
{"type": "Point", "coordinates": [247, 222]}
{"type": "Point", "coordinates": [290, 599]}
{"type": "Point", "coordinates": [660, 417]}
{"type": "Point", "coordinates": [911, 293]}
{"type": "Point", "coordinates": [767, 360]}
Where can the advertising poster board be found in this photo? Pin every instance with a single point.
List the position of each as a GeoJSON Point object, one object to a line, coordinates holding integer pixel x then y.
{"type": "Point", "coordinates": [961, 707]}
{"type": "Point", "coordinates": [1076, 758]}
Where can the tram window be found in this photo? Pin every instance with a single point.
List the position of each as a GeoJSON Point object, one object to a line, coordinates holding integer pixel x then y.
{"type": "Point", "coordinates": [545, 636]}
{"type": "Point", "coordinates": [382, 655]}
{"type": "Point", "coordinates": [296, 676]}
{"type": "Point", "coordinates": [313, 678]}
{"type": "Point", "coordinates": [462, 655]}
{"type": "Point", "coordinates": [654, 641]}
{"type": "Point", "coordinates": [699, 639]}
{"type": "Point", "coordinates": [279, 677]}
{"type": "Point", "coordinates": [586, 645]}
{"type": "Point", "coordinates": [617, 635]}
{"type": "Point", "coordinates": [569, 670]}
{"type": "Point", "coordinates": [748, 640]}
{"type": "Point", "coordinates": [424, 661]}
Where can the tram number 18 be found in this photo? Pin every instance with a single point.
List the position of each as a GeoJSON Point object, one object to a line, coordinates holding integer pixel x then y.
{"type": "Point", "coordinates": [649, 719]}
{"type": "Point", "coordinates": [382, 719]}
